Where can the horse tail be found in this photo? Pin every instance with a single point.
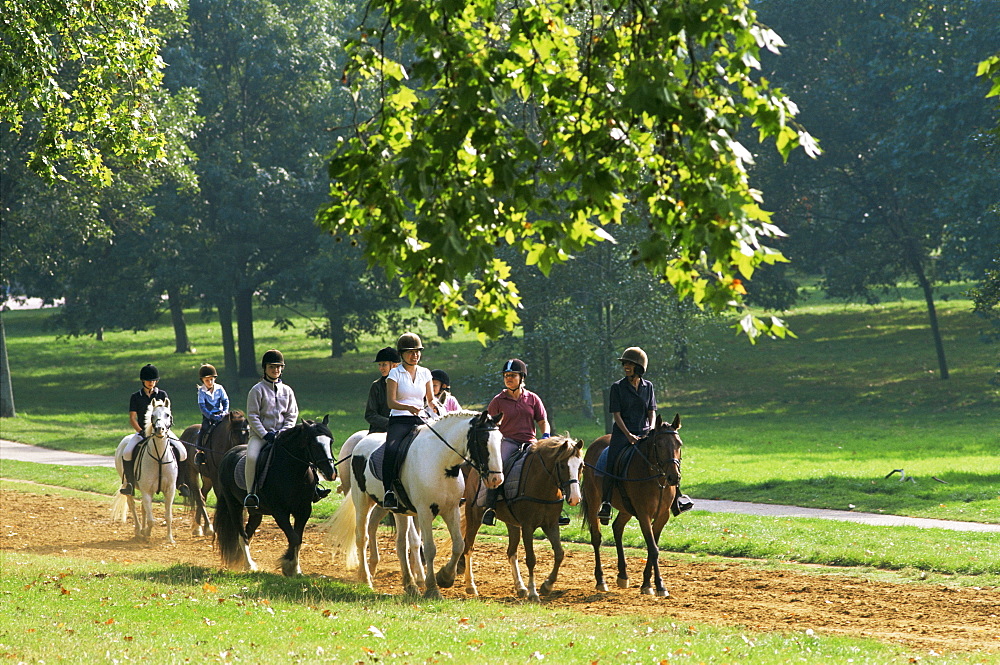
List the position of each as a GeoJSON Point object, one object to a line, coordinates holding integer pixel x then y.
{"type": "Point", "coordinates": [227, 529]}
{"type": "Point", "coordinates": [340, 529]}
{"type": "Point", "coordinates": [584, 512]}
{"type": "Point", "coordinates": [119, 508]}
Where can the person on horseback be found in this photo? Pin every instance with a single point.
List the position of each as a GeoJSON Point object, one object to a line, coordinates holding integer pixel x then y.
{"type": "Point", "coordinates": [377, 408]}
{"type": "Point", "coordinates": [138, 404]}
{"type": "Point", "coordinates": [271, 409]}
{"type": "Point", "coordinates": [213, 402]}
{"type": "Point", "coordinates": [441, 383]}
{"type": "Point", "coordinates": [632, 403]}
{"type": "Point", "coordinates": [408, 390]}
{"type": "Point", "coordinates": [522, 411]}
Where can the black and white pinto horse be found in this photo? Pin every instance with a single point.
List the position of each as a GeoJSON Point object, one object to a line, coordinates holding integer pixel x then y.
{"type": "Point", "coordinates": [286, 487]}
{"type": "Point", "coordinates": [155, 472]}
{"type": "Point", "coordinates": [433, 482]}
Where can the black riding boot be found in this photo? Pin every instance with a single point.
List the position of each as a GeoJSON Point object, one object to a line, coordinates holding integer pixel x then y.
{"type": "Point", "coordinates": [320, 492]}
{"type": "Point", "coordinates": [128, 468]}
{"type": "Point", "coordinates": [682, 503]}
{"type": "Point", "coordinates": [490, 516]}
{"type": "Point", "coordinates": [604, 514]}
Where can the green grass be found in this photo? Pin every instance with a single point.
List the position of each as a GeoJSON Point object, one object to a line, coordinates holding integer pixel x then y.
{"type": "Point", "coordinates": [82, 612]}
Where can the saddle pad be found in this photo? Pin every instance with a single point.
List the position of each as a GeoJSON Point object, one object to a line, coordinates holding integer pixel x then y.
{"type": "Point", "coordinates": [263, 464]}
{"type": "Point", "coordinates": [378, 456]}
{"type": "Point", "coordinates": [375, 461]}
{"type": "Point", "coordinates": [512, 468]}
{"type": "Point", "coordinates": [602, 463]}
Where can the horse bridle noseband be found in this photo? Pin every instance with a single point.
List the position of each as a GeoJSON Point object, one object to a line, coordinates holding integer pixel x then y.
{"type": "Point", "coordinates": [658, 466]}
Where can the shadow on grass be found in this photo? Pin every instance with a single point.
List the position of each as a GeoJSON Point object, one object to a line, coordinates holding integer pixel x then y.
{"type": "Point", "coordinates": [270, 586]}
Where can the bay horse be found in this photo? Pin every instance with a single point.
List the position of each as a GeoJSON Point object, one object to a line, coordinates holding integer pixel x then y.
{"type": "Point", "coordinates": [233, 430]}
{"type": "Point", "coordinates": [549, 475]}
{"type": "Point", "coordinates": [646, 489]}
{"type": "Point", "coordinates": [155, 472]}
{"type": "Point", "coordinates": [286, 489]}
{"type": "Point", "coordinates": [432, 479]}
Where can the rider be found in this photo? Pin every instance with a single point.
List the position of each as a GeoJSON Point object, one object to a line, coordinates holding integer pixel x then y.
{"type": "Point", "coordinates": [377, 409]}
{"type": "Point", "coordinates": [408, 390]}
{"type": "Point", "coordinates": [522, 411]}
{"type": "Point", "coordinates": [138, 404]}
{"type": "Point", "coordinates": [441, 383]}
{"type": "Point", "coordinates": [213, 402]}
{"type": "Point", "coordinates": [632, 403]}
{"type": "Point", "coordinates": [271, 409]}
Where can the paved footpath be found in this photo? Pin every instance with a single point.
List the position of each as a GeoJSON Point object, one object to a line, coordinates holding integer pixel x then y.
{"type": "Point", "coordinates": [26, 453]}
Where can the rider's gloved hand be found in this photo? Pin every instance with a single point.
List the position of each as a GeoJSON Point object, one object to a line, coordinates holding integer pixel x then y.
{"type": "Point", "coordinates": [270, 436]}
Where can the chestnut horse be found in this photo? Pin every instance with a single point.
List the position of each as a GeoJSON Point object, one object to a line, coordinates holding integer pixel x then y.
{"type": "Point", "coordinates": [232, 431]}
{"type": "Point", "coordinates": [550, 474]}
{"type": "Point", "coordinates": [645, 488]}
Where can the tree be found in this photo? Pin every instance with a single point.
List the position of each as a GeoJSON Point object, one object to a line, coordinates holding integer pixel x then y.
{"type": "Point", "coordinates": [534, 125]}
{"type": "Point", "coordinates": [905, 178]}
{"type": "Point", "coordinates": [267, 82]}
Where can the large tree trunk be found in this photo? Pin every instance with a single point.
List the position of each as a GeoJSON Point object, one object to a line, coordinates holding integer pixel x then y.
{"type": "Point", "coordinates": [244, 328]}
{"type": "Point", "coordinates": [181, 342]}
{"type": "Point", "coordinates": [225, 308]}
{"type": "Point", "coordinates": [6, 387]}
{"type": "Point", "coordinates": [337, 334]}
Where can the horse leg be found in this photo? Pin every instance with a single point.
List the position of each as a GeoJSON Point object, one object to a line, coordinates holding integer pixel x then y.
{"type": "Point", "coordinates": [527, 536]}
{"type": "Point", "coordinates": [592, 501]}
{"type": "Point", "coordinates": [652, 559]}
{"type": "Point", "coordinates": [473, 520]}
{"type": "Point", "coordinates": [426, 518]}
{"type": "Point", "coordinates": [415, 548]}
{"type": "Point", "coordinates": [147, 514]}
{"type": "Point", "coordinates": [253, 521]}
{"type": "Point", "coordinates": [373, 554]}
{"type": "Point", "coordinates": [618, 529]}
{"type": "Point", "coordinates": [362, 513]}
{"type": "Point", "coordinates": [168, 510]}
{"type": "Point", "coordinates": [657, 529]}
{"type": "Point", "coordinates": [403, 554]}
{"type": "Point", "coordinates": [513, 540]}
{"type": "Point", "coordinates": [446, 576]}
{"type": "Point", "coordinates": [290, 559]}
{"type": "Point", "coordinates": [551, 531]}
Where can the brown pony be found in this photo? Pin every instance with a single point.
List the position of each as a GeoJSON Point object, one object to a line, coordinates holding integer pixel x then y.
{"type": "Point", "coordinates": [645, 488]}
{"type": "Point", "coordinates": [234, 430]}
{"type": "Point", "coordinates": [551, 473]}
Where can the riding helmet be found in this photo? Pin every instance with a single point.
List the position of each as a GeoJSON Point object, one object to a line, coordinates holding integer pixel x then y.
{"type": "Point", "coordinates": [272, 357]}
{"type": "Point", "coordinates": [149, 373]}
{"type": "Point", "coordinates": [387, 355]}
{"type": "Point", "coordinates": [636, 356]}
{"type": "Point", "coordinates": [515, 365]}
{"type": "Point", "coordinates": [207, 370]}
{"type": "Point", "coordinates": [441, 376]}
{"type": "Point", "coordinates": [409, 342]}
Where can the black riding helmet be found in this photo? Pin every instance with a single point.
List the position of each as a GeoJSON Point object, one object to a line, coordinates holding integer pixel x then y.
{"type": "Point", "coordinates": [515, 365]}
{"type": "Point", "coordinates": [441, 376]}
{"type": "Point", "coordinates": [207, 370]}
{"type": "Point", "coordinates": [387, 355]}
{"type": "Point", "coordinates": [149, 373]}
{"type": "Point", "coordinates": [272, 357]}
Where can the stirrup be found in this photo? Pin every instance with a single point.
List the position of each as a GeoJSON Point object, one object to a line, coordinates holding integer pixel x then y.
{"type": "Point", "coordinates": [389, 501]}
{"type": "Point", "coordinates": [682, 504]}
{"type": "Point", "coordinates": [199, 458]}
{"type": "Point", "coordinates": [184, 490]}
{"type": "Point", "coordinates": [252, 501]}
{"type": "Point", "coordinates": [128, 490]}
{"type": "Point", "coordinates": [563, 520]}
{"type": "Point", "coordinates": [320, 492]}
{"type": "Point", "coordinates": [489, 517]}
{"type": "Point", "coordinates": [605, 512]}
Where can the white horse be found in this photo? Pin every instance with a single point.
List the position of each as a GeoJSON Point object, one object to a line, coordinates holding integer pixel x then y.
{"type": "Point", "coordinates": [432, 478]}
{"type": "Point", "coordinates": [155, 472]}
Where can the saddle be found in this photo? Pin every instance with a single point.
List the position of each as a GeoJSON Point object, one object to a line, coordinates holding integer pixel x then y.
{"type": "Point", "coordinates": [616, 475]}
{"type": "Point", "coordinates": [263, 465]}
{"type": "Point", "coordinates": [375, 464]}
{"type": "Point", "coordinates": [511, 487]}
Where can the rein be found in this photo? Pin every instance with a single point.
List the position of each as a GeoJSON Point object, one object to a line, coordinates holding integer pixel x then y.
{"type": "Point", "coordinates": [472, 430]}
{"type": "Point", "coordinates": [638, 451]}
{"type": "Point", "coordinates": [553, 474]}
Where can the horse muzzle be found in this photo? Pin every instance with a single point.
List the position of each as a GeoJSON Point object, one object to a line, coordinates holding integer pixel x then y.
{"type": "Point", "coordinates": [493, 479]}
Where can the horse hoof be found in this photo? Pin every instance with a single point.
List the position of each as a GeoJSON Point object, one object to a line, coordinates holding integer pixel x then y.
{"type": "Point", "coordinates": [197, 532]}
{"type": "Point", "coordinates": [622, 582]}
{"type": "Point", "coordinates": [547, 588]}
{"type": "Point", "coordinates": [432, 594]}
{"type": "Point", "coordinates": [522, 593]}
{"type": "Point", "coordinates": [471, 591]}
{"type": "Point", "coordinates": [444, 581]}
{"type": "Point", "coordinates": [533, 598]}
{"type": "Point", "coordinates": [646, 591]}
{"type": "Point", "coordinates": [413, 591]}
{"type": "Point", "coordinates": [663, 593]}
{"type": "Point", "coordinates": [601, 587]}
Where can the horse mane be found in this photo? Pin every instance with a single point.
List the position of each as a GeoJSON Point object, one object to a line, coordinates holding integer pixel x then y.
{"type": "Point", "coordinates": [553, 445]}
{"type": "Point", "coordinates": [147, 429]}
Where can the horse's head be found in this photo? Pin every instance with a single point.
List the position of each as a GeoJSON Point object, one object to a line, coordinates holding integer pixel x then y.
{"type": "Point", "coordinates": [484, 448]}
{"type": "Point", "coordinates": [564, 457]}
{"type": "Point", "coordinates": [319, 447]}
{"type": "Point", "coordinates": [239, 428]}
{"type": "Point", "coordinates": [158, 418]}
{"type": "Point", "coordinates": [665, 449]}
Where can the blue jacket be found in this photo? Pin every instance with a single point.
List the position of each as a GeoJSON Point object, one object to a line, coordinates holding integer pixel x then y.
{"type": "Point", "coordinates": [213, 404]}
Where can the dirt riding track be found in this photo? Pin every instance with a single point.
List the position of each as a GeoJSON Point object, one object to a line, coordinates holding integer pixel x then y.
{"type": "Point", "coordinates": [920, 616]}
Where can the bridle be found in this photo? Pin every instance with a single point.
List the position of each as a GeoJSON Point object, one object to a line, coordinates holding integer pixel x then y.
{"type": "Point", "coordinates": [475, 446]}
{"type": "Point", "coordinates": [554, 475]}
{"type": "Point", "coordinates": [310, 448]}
{"type": "Point", "coordinates": [657, 464]}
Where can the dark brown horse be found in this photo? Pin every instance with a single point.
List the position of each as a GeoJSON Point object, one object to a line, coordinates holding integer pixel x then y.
{"type": "Point", "coordinates": [234, 430]}
{"type": "Point", "coordinates": [646, 489]}
{"type": "Point", "coordinates": [550, 474]}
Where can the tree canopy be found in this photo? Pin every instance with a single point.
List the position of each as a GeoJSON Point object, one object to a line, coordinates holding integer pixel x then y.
{"type": "Point", "coordinates": [535, 125]}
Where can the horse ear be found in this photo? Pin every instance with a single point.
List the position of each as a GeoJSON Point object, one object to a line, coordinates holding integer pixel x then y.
{"type": "Point", "coordinates": [579, 444]}
{"type": "Point", "coordinates": [326, 419]}
{"type": "Point", "coordinates": [677, 421]}
{"type": "Point", "coordinates": [659, 421]}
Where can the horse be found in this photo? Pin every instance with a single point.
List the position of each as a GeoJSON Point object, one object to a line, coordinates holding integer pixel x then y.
{"type": "Point", "coordinates": [433, 483]}
{"type": "Point", "coordinates": [286, 489]}
{"type": "Point", "coordinates": [550, 473]}
{"type": "Point", "coordinates": [232, 431]}
{"type": "Point", "coordinates": [155, 472]}
{"type": "Point", "coordinates": [646, 489]}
